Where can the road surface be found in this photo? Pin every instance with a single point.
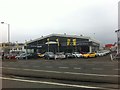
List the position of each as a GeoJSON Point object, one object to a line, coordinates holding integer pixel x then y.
{"type": "Point", "coordinates": [93, 71]}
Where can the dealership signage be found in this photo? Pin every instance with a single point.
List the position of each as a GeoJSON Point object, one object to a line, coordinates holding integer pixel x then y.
{"type": "Point", "coordinates": [34, 46]}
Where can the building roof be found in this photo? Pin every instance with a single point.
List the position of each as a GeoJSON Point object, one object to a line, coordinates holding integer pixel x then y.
{"type": "Point", "coordinates": [64, 35]}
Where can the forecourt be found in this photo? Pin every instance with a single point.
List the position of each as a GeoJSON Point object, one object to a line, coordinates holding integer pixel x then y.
{"type": "Point", "coordinates": [99, 69]}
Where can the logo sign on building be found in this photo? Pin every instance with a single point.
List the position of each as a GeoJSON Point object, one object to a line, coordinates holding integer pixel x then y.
{"type": "Point", "coordinates": [74, 42]}
{"type": "Point", "coordinates": [68, 42]}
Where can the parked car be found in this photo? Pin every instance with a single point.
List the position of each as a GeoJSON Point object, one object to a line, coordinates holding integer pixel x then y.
{"type": "Point", "coordinates": [23, 56]}
{"type": "Point", "coordinates": [60, 56]}
{"type": "Point", "coordinates": [69, 55]}
{"type": "Point", "coordinates": [88, 55]}
{"type": "Point", "coordinates": [40, 55]}
{"type": "Point", "coordinates": [11, 56]}
{"type": "Point", "coordinates": [77, 54]}
{"type": "Point", "coordinates": [106, 52]}
{"type": "Point", "coordinates": [6, 56]}
{"type": "Point", "coordinates": [33, 56]}
{"type": "Point", "coordinates": [49, 55]}
{"type": "Point", "coordinates": [99, 53]}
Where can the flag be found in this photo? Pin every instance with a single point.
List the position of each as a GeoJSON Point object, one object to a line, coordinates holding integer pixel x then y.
{"type": "Point", "coordinates": [68, 42]}
{"type": "Point", "coordinates": [74, 42]}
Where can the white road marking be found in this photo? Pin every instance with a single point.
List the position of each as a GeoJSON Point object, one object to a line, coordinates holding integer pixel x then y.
{"type": "Point", "coordinates": [97, 68]}
{"type": "Point", "coordinates": [76, 68]}
{"type": "Point", "coordinates": [74, 73]}
{"type": "Point", "coordinates": [63, 67]}
{"type": "Point", "coordinates": [116, 69]}
{"type": "Point", "coordinates": [51, 83]}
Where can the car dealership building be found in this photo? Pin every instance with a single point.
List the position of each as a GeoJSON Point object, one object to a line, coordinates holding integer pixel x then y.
{"type": "Point", "coordinates": [62, 43]}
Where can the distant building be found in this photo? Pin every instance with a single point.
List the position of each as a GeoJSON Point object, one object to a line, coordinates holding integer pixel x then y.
{"type": "Point", "coordinates": [16, 48]}
{"type": "Point", "coordinates": [12, 47]}
{"type": "Point", "coordinates": [108, 46]}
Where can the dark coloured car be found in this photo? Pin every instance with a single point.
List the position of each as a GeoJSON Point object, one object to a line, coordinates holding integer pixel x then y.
{"type": "Point", "coordinates": [49, 55]}
{"type": "Point", "coordinates": [27, 56]}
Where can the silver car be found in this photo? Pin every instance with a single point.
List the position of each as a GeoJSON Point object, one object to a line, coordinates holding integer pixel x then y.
{"type": "Point", "coordinates": [60, 56]}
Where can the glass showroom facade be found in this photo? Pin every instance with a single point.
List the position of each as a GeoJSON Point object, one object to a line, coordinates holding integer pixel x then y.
{"type": "Point", "coordinates": [62, 43]}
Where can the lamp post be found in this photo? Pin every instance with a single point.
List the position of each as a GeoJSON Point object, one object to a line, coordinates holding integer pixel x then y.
{"type": "Point", "coordinates": [8, 31]}
{"type": "Point", "coordinates": [8, 35]}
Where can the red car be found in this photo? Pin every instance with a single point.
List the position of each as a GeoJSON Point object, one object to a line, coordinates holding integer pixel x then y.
{"type": "Point", "coordinates": [11, 56]}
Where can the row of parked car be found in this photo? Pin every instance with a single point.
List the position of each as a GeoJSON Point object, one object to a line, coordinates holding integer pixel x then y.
{"type": "Point", "coordinates": [21, 56]}
{"type": "Point", "coordinates": [51, 55]}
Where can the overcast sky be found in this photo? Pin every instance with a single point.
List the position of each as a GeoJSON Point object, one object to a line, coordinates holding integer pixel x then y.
{"type": "Point", "coordinates": [31, 19]}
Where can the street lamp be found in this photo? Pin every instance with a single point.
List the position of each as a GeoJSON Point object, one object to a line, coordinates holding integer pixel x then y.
{"type": "Point", "coordinates": [8, 31]}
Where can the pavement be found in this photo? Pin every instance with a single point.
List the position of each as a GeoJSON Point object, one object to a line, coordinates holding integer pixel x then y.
{"type": "Point", "coordinates": [97, 70]}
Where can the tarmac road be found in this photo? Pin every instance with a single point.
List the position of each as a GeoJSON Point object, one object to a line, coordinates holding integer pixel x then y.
{"type": "Point", "coordinates": [25, 82]}
{"type": "Point", "coordinates": [100, 69]}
